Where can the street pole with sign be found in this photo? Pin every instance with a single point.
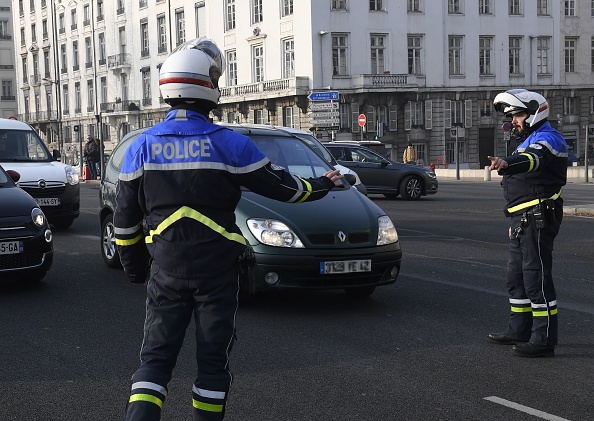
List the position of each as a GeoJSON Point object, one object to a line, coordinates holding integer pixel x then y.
{"type": "Point", "coordinates": [362, 122]}
{"type": "Point", "coordinates": [586, 155]}
{"type": "Point", "coordinates": [454, 134]}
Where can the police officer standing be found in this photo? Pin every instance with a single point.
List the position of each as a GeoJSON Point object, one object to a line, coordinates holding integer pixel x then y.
{"type": "Point", "coordinates": [183, 177]}
{"type": "Point", "coordinates": [532, 179]}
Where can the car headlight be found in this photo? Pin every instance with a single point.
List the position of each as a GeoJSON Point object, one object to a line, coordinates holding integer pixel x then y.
{"type": "Point", "coordinates": [38, 217]}
{"type": "Point", "coordinates": [71, 175]}
{"type": "Point", "coordinates": [387, 232]}
{"type": "Point", "coordinates": [273, 233]}
{"type": "Point", "coordinates": [431, 174]}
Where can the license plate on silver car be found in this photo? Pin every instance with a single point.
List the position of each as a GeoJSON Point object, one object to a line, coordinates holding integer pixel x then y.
{"type": "Point", "coordinates": [11, 247]}
{"type": "Point", "coordinates": [345, 266]}
{"type": "Point", "coordinates": [47, 201]}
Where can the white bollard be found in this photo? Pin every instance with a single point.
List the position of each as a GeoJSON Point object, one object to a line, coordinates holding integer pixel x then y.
{"type": "Point", "coordinates": [487, 173]}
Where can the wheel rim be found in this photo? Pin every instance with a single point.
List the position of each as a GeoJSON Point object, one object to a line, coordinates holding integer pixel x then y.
{"type": "Point", "coordinates": [414, 188]}
{"type": "Point", "coordinates": [109, 245]}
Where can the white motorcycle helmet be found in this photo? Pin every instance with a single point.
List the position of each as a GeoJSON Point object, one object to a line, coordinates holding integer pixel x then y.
{"type": "Point", "coordinates": [517, 100]}
{"type": "Point", "coordinates": [191, 73]}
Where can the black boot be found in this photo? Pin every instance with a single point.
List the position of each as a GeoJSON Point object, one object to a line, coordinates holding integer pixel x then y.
{"type": "Point", "coordinates": [503, 339]}
{"type": "Point", "coordinates": [531, 350]}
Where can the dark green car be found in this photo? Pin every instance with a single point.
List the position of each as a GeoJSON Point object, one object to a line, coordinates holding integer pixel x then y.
{"type": "Point", "coordinates": [343, 241]}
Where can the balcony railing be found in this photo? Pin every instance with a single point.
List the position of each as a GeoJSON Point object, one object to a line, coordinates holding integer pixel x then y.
{"type": "Point", "coordinates": [269, 88]}
{"type": "Point", "coordinates": [40, 116]}
{"type": "Point", "coordinates": [147, 101]}
{"type": "Point", "coordinates": [120, 106]}
{"type": "Point", "coordinates": [383, 81]}
{"type": "Point", "coordinates": [119, 60]}
{"type": "Point", "coordinates": [35, 79]}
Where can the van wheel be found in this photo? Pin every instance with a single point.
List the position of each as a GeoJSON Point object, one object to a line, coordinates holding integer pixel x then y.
{"type": "Point", "coordinates": [411, 188]}
{"type": "Point", "coordinates": [62, 223]}
{"type": "Point", "coordinates": [109, 252]}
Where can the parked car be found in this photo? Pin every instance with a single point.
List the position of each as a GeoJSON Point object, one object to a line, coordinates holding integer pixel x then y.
{"type": "Point", "coordinates": [380, 175]}
{"type": "Point", "coordinates": [54, 185]}
{"type": "Point", "coordinates": [343, 241]}
{"type": "Point", "coordinates": [26, 249]}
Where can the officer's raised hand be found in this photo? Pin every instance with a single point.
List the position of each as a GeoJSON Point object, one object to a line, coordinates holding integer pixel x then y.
{"type": "Point", "coordinates": [335, 176]}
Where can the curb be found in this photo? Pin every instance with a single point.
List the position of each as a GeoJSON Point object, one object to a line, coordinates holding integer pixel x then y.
{"type": "Point", "coordinates": [585, 210]}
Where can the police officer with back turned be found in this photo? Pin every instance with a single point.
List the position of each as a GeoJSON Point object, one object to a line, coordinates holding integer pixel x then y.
{"type": "Point", "coordinates": [183, 177]}
{"type": "Point", "coordinates": [532, 180]}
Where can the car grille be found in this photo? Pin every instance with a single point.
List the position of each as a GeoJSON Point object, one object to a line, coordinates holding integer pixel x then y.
{"type": "Point", "coordinates": [328, 238]}
{"type": "Point", "coordinates": [22, 260]}
{"type": "Point", "coordinates": [52, 189]}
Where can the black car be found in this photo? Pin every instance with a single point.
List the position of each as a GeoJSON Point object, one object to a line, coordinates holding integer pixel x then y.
{"type": "Point", "coordinates": [380, 175]}
{"type": "Point", "coordinates": [342, 241]}
{"type": "Point", "coordinates": [26, 250]}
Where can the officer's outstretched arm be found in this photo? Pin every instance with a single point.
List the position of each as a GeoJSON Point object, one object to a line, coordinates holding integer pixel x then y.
{"type": "Point", "coordinates": [535, 156]}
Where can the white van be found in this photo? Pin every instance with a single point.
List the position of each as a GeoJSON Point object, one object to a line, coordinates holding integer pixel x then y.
{"type": "Point", "coordinates": [55, 186]}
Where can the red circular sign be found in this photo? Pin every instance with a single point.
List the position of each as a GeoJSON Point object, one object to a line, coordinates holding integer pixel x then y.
{"type": "Point", "coordinates": [506, 126]}
{"type": "Point", "coordinates": [362, 120]}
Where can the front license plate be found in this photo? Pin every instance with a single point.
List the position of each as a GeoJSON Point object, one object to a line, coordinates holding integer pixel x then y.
{"type": "Point", "coordinates": [46, 201]}
{"type": "Point", "coordinates": [345, 266]}
{"type": "Point", "coordinates": [11, 247]}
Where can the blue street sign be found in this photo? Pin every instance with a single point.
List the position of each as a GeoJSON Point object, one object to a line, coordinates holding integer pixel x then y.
{"type": "Point", "coordinates": [324, 96]}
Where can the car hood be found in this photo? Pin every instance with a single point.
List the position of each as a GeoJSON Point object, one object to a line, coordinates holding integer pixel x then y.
{"type": "Point", "coordinates": [15, 202]}
{"type": "Point", "coordinates": [33, 171]}
{"type": "Point", "coordinates": [340, 210]}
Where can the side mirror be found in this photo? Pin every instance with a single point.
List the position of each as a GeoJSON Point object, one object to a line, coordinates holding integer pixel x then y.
{"type": "Point", "coordinates": [14, 175]}
{"type": "Point", "coordinates": [350, 178]}
{"type": "Point", "coordinates": [385, 163]}
{"type": "Point", "coordinates": [56, 154]}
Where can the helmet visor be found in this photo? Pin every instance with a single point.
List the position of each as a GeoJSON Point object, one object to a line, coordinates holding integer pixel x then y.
{"type": "Point", "coordinates": [210, 49]}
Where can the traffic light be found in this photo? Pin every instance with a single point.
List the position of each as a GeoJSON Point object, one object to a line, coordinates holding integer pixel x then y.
{"type": "Point", "coordinates": [376, 137]}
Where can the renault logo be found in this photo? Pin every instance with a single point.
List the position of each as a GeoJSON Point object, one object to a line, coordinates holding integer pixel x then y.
{"type": "Point", "coordinates": [41, 184]}
{"type": "Point", "coordinates": [342, 236]}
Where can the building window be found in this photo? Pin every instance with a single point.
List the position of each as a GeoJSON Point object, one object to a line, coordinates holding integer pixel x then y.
{"type": "Point", "coordinates": [570, 106]}
{"type": "Point", "coordinates": [258, 63]}
{"type": "Point", "coordinates": [345, 116]}
{"type": "Point", "coordinates": [417, 119]}
{"type": "Point", "coordinates": [413, 6]}
{"type": "Point", "coordinates": [146, 88]}
{"type": "Point", "coordinates": [592, 53]}
{"type": "Point", "coordinates": [569, 7]}
{"type": "Point", "coordinates": [485, 53]}
{"type": "Point", "coordinates": [259, 117]}
{"type": "Point", "coordinates": [414, 55]}
{"type": "Point", "coordinates": [486, 109]}
{"type": "Point", "coordinates": [144, 38]}
{"type": "Point", "coordinates": [73, 19]}
{"type": "Point", "coordinates": [120, 10]}
{"type": "Point", "coordinates": [102, 48]}
{"type": "Point", "coordinates": [378, 46]}
{"type": "Point", "coordinates": [99, 10]}
{"type": "Point", "coordinates": [515, 7]}
{"type": "Point", "coordinates": [543, 45]}
{"type": "Point", "coordinates": [63, 58]}
{"type": "Point", "coordinates": [290, 117]}
{"type": "Point", "coordinates": [7, 89]}
{"type": "Point", "coordinates": [570, 49]}
{"type": "Point", "coordinates": [230, 15]}
{"type": "Point", "coordinates": [86, 15]}
{"type": "Point", "coordinates": [33, 32]}
{"type": "Point", "coordinates": [376, 5]}
{"type": "Point", "coordinates": [515, 52]}
{"type": "Point", "coordinates": [485, 7]}
{"type": "Point", "coordinates": [340, 55]}
{"type": "Point", "coordinates": [257, 11]}
{"type": "Point", "coordinates": [454, 7]}
{"type": "Point", "coordinates": [46, 64]}
{"type": "Point", "coordinates": [61, 24]}
{"type": "Point", "coordinates": [103, 83]}
{"type": "Point", "coordinates": [288, 58]}
{"type": "Point", "coordinates": [44, 32]}
{"type": "Point", "coordinates": [88, 53]}
{"type": "Point", "coordinates": [339, 5]}
{"type": "Point", "coordinates": [180, 26]}
{"type": "Point", "coordinates": [76, 62]}
{"type": "Point", "coordinates": [162, 30]}
{"type": "Point", "coordinates": [287, 7]}
{"type": "Point", "coordinates": [65, 101]}
{"type": "Point", "coordinates": [232, 117]}
{"type": "Point", "coordinates": [455, 55]}
{"type": "Point", "coordinates": [232, 68]}
{"type": "Point", "coordinates": [77, 98]}
{"type": "Point", "coordinates": [90, 96]}
{"type": "Point", "coordinates": [542, 7]}
{"type": "Point", "coordinates": [451, 151]}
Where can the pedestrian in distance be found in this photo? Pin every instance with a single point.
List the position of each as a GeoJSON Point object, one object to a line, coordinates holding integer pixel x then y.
{"type": "Point", "coordinates": [187, 199]}
{"type": "Point", "coordinates": [532, 180]}
{"type": "Point", "coordinates": [410, 156]}
{"type": "Point", "coordinates": [91, 154]}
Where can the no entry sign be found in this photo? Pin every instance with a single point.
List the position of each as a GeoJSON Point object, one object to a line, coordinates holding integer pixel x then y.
{"type": "Point", "coordinates": [362, 120]}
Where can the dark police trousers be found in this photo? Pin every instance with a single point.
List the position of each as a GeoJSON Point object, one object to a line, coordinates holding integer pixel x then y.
{"type": "Point", "coordinates": [532, 297]}
{"type": "Point", "coordinates": [170, 304]}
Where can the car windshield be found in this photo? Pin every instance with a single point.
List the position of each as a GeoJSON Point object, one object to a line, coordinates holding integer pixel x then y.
{"type": "Point", "coordinates": [315, 144]}
{"type": "Point", "coordinates": [292, 154]}
{"type": "Point", "coordinates": [22, 146]}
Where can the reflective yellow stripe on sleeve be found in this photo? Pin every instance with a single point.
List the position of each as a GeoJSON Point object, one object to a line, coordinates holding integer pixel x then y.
{"type": "Point", "coordinates": [129, 242]}
{"type": "Point", "coordinates": [187, 212]}
{"type": "Point", "coordinates": [143, 397]}
{"type": "Point", "coordinates": [531, 159]}
{"type": "Point", "coordinates": [207, 406]}
{"type": "Point", "coordinates": [307, 193]}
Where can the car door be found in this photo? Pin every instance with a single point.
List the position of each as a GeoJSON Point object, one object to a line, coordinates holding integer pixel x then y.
{"type": "Point", "coordinates": [374, 171]}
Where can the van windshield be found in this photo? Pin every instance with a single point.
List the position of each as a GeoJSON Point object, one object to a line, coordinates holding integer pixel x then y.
{"type": "Point", "coordinates": [22, 146]}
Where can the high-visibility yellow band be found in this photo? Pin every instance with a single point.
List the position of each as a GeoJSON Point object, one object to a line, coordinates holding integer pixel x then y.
{"type": "Point", "coordinates": [129, 242]}
{"type": "Point", "coordinates": [187, 212]}
{"type": "Point", "coordinates": [143, 397]}
{"type": "Point", "coordinates": [207, 406]}
{"type": "Point", "coordinates": [531, 159]}
{"type": "Point", "coordinates": [531, 203]}
{"type": "Point", "coordinates": [307, 193]}
{"type": "Point", "coordinates": [521, 309]}
{"type": "Point", "coordinates": [544, 313]}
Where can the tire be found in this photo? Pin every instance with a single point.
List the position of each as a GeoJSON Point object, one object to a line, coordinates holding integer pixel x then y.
{"type": "Point", "coordinates": [62, 223]}
{"type": "Point", "coordinates": [411, 188]}
{"type": "Point", "coordinates": [359, 292]}
{"type": "Point", "coordinates": [109, 252]}
{"type": "Point", "coordinates": [391, 196]}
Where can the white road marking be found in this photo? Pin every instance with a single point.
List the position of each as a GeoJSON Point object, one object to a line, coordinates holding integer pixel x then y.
{"type": "Point", "coordinates": [526, 409]}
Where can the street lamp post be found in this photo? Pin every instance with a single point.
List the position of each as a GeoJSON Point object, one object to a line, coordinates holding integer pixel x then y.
{"type": "Point", "coordinates": [58, 111]}
{"type": "Point", "coordinates": [321, 34]}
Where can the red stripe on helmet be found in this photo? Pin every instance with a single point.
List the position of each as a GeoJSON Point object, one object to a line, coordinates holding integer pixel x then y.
{"type": "Point", "coordinates": [544, 107]}
{"type": "Point", "coordinates": [191, 81]}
